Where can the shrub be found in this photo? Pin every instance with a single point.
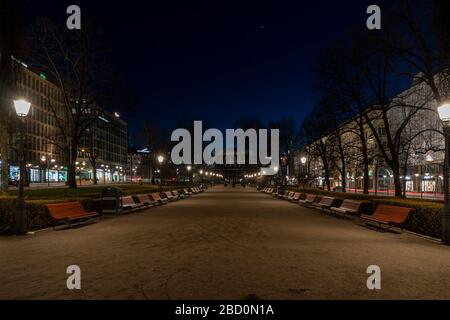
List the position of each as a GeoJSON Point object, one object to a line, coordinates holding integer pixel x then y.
{"type": "Point", "coordinates": [37, 212]}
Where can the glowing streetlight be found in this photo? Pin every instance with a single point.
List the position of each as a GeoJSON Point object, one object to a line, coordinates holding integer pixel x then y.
{"type": "Point", "coordinates": [22, 108]}
{"type": "Point", "coordinates": [160, 160]}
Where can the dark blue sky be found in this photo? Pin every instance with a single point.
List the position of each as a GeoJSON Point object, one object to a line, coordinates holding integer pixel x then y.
{"type": "Point", "coordinates": [216, 60]}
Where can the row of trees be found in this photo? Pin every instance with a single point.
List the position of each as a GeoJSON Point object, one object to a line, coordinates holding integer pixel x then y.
{"type": "Point", "coordinates": [359, 78]}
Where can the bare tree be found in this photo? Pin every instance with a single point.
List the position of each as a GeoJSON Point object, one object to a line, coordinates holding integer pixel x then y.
{"type": "Point", "coordinates": [316, 129]}
{"type": "Point", "coordinates": [339, 77]}
{"type": "Point", "coordinates": [74, 60]}
{"type": "Point", "coordinates": [289, 138]}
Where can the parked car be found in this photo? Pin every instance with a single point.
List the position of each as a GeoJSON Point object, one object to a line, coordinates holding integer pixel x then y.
{"type": "Point", "coordinates": [13, 183]}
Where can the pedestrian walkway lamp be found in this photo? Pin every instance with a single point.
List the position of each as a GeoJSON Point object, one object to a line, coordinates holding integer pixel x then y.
{"type": "Point", "coordinates": [22, 109]}
{"type": "Point", "coordinates": [160, 161]}
{"type": "Point", "coordinates": [444, 114]}
{"type": "Point", "coordinates": [189, 169]}
{"type": "Point", "coordinates": [303, 160]}
{"type": "Point", "coordinates": [45, 161]}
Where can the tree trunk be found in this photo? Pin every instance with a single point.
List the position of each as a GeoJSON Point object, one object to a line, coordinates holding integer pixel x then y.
{"type": "Point", "coordinates": [93, 161]}
{"type": "Point", "coordinates": [94, 173]}
{"type": "Point", "coordinates": [71, 176]}
{"type": "Point", "coordinates": [71, 168]}
{"type": "Point", "coordinates": [365, 156]}
{"type": "Point", "coordinates": [366, 181]}
{"type": "Point", "coordinates": [344, 181]}
{"type": "Point", "coordinates": [397, 182]}
{"type": "Point", "coordinates": [327, 179]}
{"type": "Point", "coordinates": [5, 174]}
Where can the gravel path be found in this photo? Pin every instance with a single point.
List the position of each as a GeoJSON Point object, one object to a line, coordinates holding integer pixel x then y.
{"type": "Point", "coordinates": [223, 244]}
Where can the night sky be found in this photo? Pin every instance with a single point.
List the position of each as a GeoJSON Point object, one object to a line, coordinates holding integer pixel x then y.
{"type": "Point", "coordinates": [218, 60]}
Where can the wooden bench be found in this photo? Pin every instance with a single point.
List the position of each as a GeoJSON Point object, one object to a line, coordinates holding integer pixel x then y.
{"type": "Point", "coordinates": [187, 192]}
{"type": "Point", "coordinates": [389, 215]}
{"type": "Point", "coordinates": [348, 207]}
{"type": "Point", "coordinates": [310, 199]}
{"type": "Point", "coordinates": [69, 212]}
{"type": "Point", "coordinates": [195, 190]}
{"type": "Point", "coordinates": [288, 195]}
{"type": "Point", "coordinates": [145, 200]}
{"type": "Point", "coordinates": [325, 203]}
{"type": "Point", "coordinates": [169, 196]}
{"type": "Point", "coordinates": [296, 197]}
{"type": "Point", "coordinates": [177, 194]}
{"type": "Point", "coordinates": [157, 198]}
{"type": "Point", "coordinates": [128, 204]}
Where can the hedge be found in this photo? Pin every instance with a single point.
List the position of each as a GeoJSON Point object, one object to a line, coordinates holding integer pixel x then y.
{"type": "Point", "coordinates": [37, 212]}
{"type": "Point", "coordinates": [425, 220]}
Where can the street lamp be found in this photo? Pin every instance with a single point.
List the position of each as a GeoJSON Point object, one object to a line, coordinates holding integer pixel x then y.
{"type": "Point", "coordinates": [160, 160]}
{"type": "Point", "coordinates": [22, 108]}
{"type": "Point", "coordinates": [303, 160]}
{"type": "Point", "coordinates": [47, 168]}
{"type": "Point", "coordinates": [189, 169]}
{"type": "Point", "coordinates": [444, 114]}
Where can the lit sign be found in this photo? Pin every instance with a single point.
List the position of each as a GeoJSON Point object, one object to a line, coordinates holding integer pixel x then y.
{"type": "Point", "coordinates": [145, 150]}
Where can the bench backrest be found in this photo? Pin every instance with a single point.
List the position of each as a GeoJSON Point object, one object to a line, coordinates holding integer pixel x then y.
{"type": "Point", "coordinates": [311, 197]}
{"type": "Point", "coordinates": [66, 210]}
{"type": "Point", "coordinates": [187, 191]}
{"type": "Point", "coordinates": [351, 205]}
{"type": "Point", "coordinates": [327, 201]}
{"type": "Point", "coordinates": [175, 193]}
{"type": "Point", "coordinates": [296, 196]}
{"type": "Point", "coordinates": [143, 198]}
{"type": "Point", "coordinates": [126, 201]}
{"type": "Point", "coordinates": [396, 214]}
{"type": "Point", "coordinates": [168, 194]}
{"type": "Point", "coordinates": [156, 196]}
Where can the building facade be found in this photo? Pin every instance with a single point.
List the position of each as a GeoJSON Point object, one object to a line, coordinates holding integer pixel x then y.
{"type": "Point", "coordinates": [421, 153]}
{"type": "Point", "coordinates": [45, 162]}
{"type": "Point", "coordinates": [104, 145]}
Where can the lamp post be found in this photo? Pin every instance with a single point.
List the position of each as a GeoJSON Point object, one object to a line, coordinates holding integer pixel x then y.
{"type": "Point", "coordinates": [201, 174]}
{"type": "Point", "coordinates": [160, 161]}
{"type": "Point", "coordinates": [189, 168]}
{"type": "Point", "coordinates": [303, 160]}
{"type": "Point", "coordinates": [45, 161]}
{"type": "Point", "coordinates": [22, 108]}
{"type": "Point", "coordinates": [444, 114]}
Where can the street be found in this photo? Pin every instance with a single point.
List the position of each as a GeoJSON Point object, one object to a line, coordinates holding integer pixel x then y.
{"type": "Point", "coordinates": [223, 244]}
